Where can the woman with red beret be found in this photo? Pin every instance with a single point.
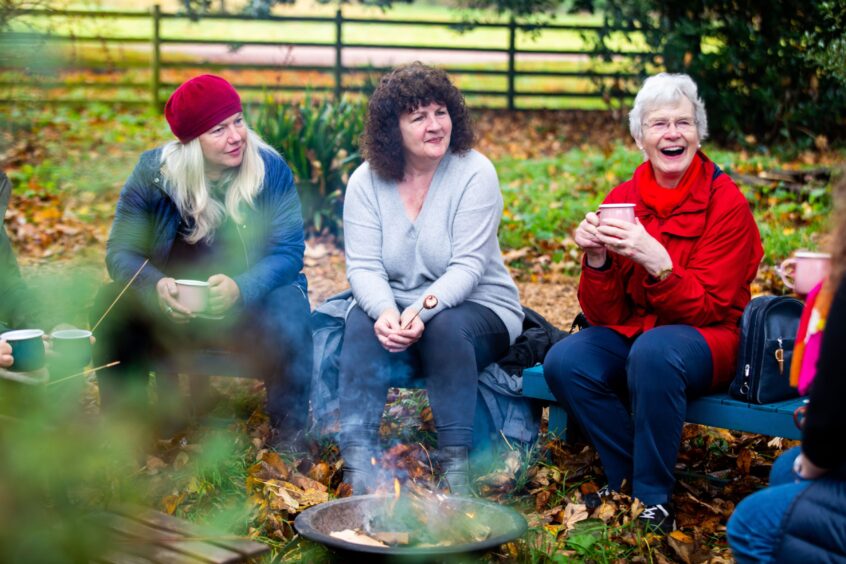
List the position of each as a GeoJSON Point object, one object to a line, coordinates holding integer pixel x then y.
{"type": "Point", "coordinates": [216, 205]}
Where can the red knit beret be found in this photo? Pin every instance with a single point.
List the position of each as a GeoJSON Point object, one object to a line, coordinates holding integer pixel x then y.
{"type": "Point", "coordinates": [199, 104]}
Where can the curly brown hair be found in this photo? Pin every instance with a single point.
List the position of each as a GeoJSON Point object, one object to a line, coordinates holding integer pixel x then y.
{"type": "Point", "coordinates": [838, 235]}
{"type": "Point", "coordinates": [405, 89]}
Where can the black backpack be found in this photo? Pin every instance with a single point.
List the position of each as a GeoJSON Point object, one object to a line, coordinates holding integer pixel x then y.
{"type": "Point", "coordinates": [767, 332]}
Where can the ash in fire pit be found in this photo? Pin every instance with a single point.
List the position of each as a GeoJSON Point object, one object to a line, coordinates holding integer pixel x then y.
{"type": "Point", "coordinates": [410, 525]}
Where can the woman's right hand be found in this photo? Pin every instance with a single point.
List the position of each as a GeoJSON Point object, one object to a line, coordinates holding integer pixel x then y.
{"type": "Point", "coordinates": [173, 310]}
{"type": "Point", "coordinates": [586, 238]}
{"type": "Point", "coordinates": [387, 329]}
{"type": "Point", "coordinates": [6, 359]}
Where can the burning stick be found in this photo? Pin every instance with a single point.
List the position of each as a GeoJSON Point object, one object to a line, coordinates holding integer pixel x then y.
{"type": "Point", "coordinates": [429, 302]}
{"type": "Point", "coordinates": [125, 288]}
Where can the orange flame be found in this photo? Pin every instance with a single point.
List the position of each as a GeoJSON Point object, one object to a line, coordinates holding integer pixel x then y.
{"type": "Point", "coordinates": [372, 461]}
{"type": "Point", "coordinates": [396, 489]}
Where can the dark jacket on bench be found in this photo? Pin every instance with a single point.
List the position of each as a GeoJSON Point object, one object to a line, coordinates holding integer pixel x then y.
{"type": "Point", "coordinates": [814, 529]}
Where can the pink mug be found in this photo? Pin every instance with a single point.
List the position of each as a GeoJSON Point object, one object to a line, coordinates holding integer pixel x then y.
{"type": "Point", "coordinates": [623, 212]}
{"type": "Point", "coordinates": [193, 294]}
{"type": "Point", "coordinates": [806, 269]}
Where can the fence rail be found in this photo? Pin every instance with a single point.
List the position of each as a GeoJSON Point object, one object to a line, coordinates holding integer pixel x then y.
{"type": "Point", "coordinates": [337, 74]}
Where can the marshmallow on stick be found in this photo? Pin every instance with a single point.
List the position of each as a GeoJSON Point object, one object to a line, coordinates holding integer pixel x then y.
{"type": "Point", "coordinates": [429, 302]}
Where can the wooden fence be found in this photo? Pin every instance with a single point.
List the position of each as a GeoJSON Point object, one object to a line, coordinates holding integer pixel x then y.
{"type": "Point", "coordinates": [17, 77]}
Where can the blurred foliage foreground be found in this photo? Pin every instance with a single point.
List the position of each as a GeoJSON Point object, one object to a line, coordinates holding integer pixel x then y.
{"type": "Point", "coordinates": [62, 462]}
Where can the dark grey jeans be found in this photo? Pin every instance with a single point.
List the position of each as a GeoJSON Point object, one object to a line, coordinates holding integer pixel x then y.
{"type": "Point", "coordinates": [456, 345]}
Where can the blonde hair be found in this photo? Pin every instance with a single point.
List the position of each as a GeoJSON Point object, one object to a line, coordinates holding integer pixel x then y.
{"type": "Point", "coordinates": [183, 168]}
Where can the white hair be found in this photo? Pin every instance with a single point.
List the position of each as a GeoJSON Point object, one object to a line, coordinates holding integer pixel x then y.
{"type": "Point", "coordinates": [665, 89]}
{"type": "Point", "coordinates": [183, 168]}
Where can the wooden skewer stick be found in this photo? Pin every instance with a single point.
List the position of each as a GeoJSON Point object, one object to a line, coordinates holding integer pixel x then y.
{"type": "Point", "coordinates": [125, 288]}
{"type": "Point", "coordinates": [429, 302]}
{"type": "Point", "coordinates": [109, 365]}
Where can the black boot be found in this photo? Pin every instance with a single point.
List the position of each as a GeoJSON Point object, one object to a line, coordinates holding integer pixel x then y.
{"type": "Point", "coordinates": [359, 470]}
{"type": "Point", "coordinates": [456, 469]}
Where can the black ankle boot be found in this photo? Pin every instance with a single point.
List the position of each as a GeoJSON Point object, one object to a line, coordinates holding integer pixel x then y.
{"type": "Point", "coordinates": [456, 469]}
{"type": "Point", "coordinates": [359, 471]}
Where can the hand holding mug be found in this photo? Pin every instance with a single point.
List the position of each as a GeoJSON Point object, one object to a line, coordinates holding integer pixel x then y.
{"type": "Point", "coordinates": [586, 237]}
{"type": "Point", "coordinates": [23, 350]}
{"type": "Point", "coordinates": [632, 241]}
{"type": "Point", "coordinates": [6, 358]}
{"type": "Point", "coordinates": [223, 294]}
{"type": "Point", "coordinates": [168, 292]}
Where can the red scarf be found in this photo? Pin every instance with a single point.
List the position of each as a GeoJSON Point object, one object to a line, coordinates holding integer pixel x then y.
{"type": "Point", "coordinates": [665, 200]}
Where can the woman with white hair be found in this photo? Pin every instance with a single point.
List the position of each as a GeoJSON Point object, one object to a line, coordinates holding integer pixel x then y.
{"type": "Point", "coordinates": [663, 295]}
{"type": "Point", "coordinates": [216, 205]}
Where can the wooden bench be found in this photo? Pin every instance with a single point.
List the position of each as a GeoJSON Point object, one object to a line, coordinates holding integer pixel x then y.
{"type": "Point", "coordinates": [716, 410]}
{"type": "Point", "coordinates": [144, 535]}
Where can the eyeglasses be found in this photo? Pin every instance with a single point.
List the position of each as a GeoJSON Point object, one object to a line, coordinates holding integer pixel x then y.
{"type": "Point", "coordinates": [682, 125]}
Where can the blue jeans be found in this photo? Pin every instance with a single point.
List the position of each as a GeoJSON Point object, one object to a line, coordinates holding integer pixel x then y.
{"type": "Point", "coordinates": [456, 345]}
{"type": "Point", "coordinates": [629, 396]}
{"type": "Point", "coordinates": [754, 527]}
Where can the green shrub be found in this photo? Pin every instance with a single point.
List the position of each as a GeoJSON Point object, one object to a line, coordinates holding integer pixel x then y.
{"type": "Point", "coordinates": [763, 68]}
{"type": "Point", "coordinates": [319, 140]}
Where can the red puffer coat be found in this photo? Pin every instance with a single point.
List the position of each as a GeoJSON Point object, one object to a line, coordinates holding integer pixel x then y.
{"type": "Point", "coordinates": [715, 246]}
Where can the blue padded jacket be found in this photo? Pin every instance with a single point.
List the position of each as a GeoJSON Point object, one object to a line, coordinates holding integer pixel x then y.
{"type": "Point", "coordinates": [147, 223]}
{"type": "Point", "coordinates": [814, 528]}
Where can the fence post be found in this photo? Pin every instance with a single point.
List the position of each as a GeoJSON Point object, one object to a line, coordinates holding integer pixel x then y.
{"type": "Point", "coordinates": [512, 48]}
{"type": "Point", "coordinates": [339, 46]}
{"type": "Point", "coordinates": [155, 79]}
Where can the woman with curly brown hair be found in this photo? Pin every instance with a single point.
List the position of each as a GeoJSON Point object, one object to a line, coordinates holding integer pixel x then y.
{"type": "Point", "coordinates": [420, 219]}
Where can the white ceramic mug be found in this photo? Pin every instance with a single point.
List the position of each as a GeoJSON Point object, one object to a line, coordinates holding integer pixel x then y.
{"type": "Point", "coordinates": [623, 212]}
{"type": "Point", "coordinates": [193, 294]}
{"type": "Point", "coordinates": [806, 269]}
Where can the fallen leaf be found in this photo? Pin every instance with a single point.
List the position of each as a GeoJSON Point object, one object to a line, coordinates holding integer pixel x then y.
{"type": "Point", "coordinates": [605, 512]}
{"type": "Point", "coordinates": [744, 461]}
{"type": "Point", "coordinates": [573, 513]}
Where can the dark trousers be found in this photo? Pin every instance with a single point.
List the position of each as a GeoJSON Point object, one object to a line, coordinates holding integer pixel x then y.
{"type": "Point", "coordinates": [629, 396]}
{"type": "Point", "coordinates": [456, 345]}
{"type": "Point", "coordinates": [273, 337]}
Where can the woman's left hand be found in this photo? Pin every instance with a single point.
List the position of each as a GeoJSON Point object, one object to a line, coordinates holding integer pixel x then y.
{"type": "Point", "coordinates": [223, 294]}
{"type": "Point", "coordinates": [632, 241]}
{"type": "Point", "coordinates": [410, 331]}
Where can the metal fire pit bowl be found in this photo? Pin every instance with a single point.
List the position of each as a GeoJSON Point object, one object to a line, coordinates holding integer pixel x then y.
{"type": "Point", "coordinates": [317, 522]}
